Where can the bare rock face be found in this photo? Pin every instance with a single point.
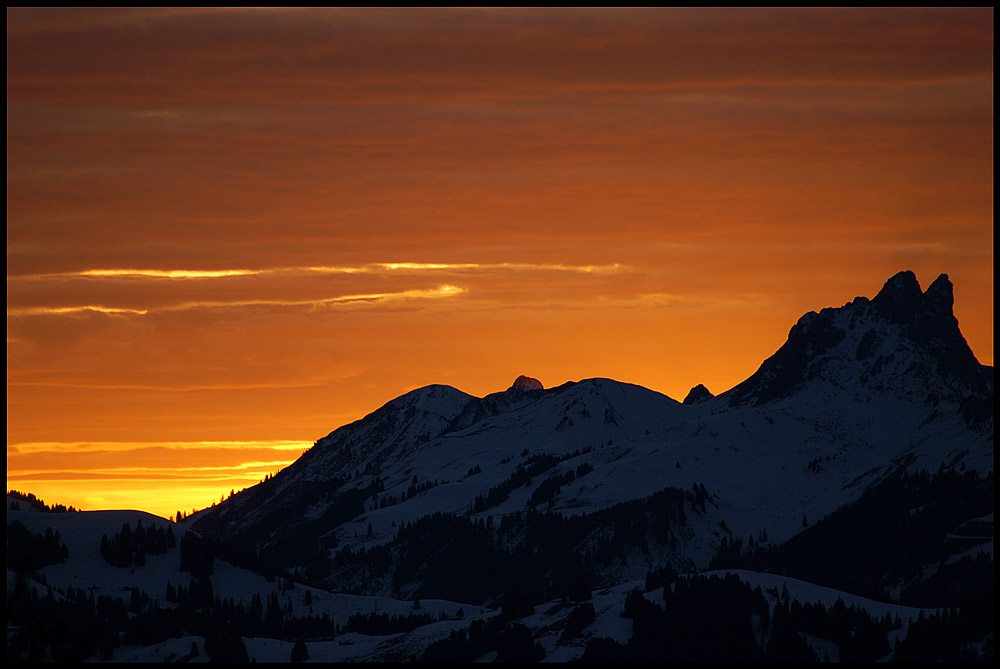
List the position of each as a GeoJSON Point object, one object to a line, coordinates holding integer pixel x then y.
{"type": "Point", "coordinates": [525, 383]}
{"type": "Point", "coordinates": [900, 299]}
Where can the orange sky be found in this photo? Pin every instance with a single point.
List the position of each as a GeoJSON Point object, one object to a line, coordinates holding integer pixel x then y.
{"type": "Point", "coordinates": [231, 231]}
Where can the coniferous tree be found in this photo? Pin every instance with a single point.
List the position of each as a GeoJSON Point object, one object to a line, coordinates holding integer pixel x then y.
{"type": "Point", "coordinates": [300, 653]}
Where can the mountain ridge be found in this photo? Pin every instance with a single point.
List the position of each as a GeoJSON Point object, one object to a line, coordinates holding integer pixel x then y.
{"type": "Point", "coordinates": [855, 393]}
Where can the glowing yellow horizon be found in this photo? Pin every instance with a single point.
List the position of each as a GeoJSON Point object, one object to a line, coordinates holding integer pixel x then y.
{"type": "Point", "coordinates": [138, 475]}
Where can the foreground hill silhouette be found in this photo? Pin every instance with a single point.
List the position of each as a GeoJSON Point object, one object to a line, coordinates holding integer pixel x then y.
{"type": "Point", "coordinates": [854, 464]}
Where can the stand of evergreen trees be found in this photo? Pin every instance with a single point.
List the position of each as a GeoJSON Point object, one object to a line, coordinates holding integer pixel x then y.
{"type": "Point", "coordinates": [536, 555]}
{"type": "Point", "coordinates": [75, 626]}
{"type": "Point", "coordinates": [535, 465]}
{"type": "Point", "coordinates": [549, 488]}
{"type": "Point", "coordinates": [28, 551]}
{"type": "Point", "coordinates": [382, 624]}
{"type": "Point", "coordinates": [68, 627]}
{"type": "Point", "coordinates": [130, 547]}
{"type": "Point", "coordinates": [949, 636]}
{"type": "Point", "coordinates": [885, 538]}
{"type": "Point", "coordinates": [512, 642]}
{"type": "Point", "coordinates": [29, 500]}
{"type": "Point", "coordinates": [713, 619]}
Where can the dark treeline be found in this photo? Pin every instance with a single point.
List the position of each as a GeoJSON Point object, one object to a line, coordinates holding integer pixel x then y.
{"type": "Point", "coordinates": [382, 624]}
{"type": "Point", "coordinates": [130, 547]}
{"type": "Point", "coordinates": [952, 635]}
{"type": "Point", "coordinates": [30, 501]}
{"type": "Point", "coordinates": [967, 583]}
{"type": "Point", "coordinates": [713, 619]}
{"type": "Point", "coordinates": [886, 537]}
{"type": "Point", "coordinates": [74, 626]}
{"type": "Point", "coordinates": [534, 466]}
{"type": "Point", "coordinates": [416, 487]}
{"type": "Point", "coordinates": [533, 555]}
{"type": "Point", "coordinates": [199, 552]}
{"type": "Point", "coordinates": [27, 551]}
{"type": "Point", "coordinates": [549, 488]}
{"type": "Point", "coordinates": [538, 464]}
{"type": "Point", "coordinates": [512, 641]}
{"type": "Point", "coordinates": [581, 616]}
{"type": "Point", "coordinates": [62, 628]}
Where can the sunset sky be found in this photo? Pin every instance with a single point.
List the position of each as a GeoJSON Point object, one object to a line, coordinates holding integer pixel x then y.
{"type": "Point", "coordinates": [230, 232]}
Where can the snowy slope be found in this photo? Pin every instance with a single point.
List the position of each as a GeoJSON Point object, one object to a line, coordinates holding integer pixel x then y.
{"type": "Point", "coordinates": [81, 532]}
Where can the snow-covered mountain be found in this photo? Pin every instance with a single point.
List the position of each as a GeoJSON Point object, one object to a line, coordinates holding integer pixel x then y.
{"type": "Point", "coordinates": [854, 394]}
{"type": "Point", "coordinates": [578, 495]}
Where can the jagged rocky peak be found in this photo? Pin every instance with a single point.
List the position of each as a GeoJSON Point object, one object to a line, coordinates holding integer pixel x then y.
{"type": "Point", "coordinates": [525, 383]}
{"type": "Point", "coordinates": [939, 300]}
{"type": "Point", "coordinates": [698, 394]}
{"type": "Point", "coordinates": [929, 321]}
{"type": "Point", "coordinates": [900, 318]}
{"type": "Point", "coordinates": [900, 297]}
{"type": "Point", "coordinates": [902, 301]}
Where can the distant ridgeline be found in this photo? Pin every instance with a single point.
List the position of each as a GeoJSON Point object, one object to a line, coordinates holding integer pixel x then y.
{"type": "Point", "coordinates": [33, 502]}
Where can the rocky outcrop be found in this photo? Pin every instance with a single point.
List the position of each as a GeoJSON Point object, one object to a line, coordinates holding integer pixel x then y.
{"type": "Point", "coordinates": [525, 383]}
{"type": "Point", "coordinates": [698, 394]}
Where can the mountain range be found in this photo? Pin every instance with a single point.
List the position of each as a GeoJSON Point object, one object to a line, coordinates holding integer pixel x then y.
{"type": "Point", "coordinates": [855, 465]}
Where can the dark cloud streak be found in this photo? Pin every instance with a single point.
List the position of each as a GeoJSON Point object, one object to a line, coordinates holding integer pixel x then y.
{"type": "Point", "coordinates": [327, 57]}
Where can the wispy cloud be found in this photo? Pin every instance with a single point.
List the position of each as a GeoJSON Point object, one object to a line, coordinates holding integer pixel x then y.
{"type": "Point", "coordinates": [377, 271]}
{"type": "Point", "coordinates": [114, 446]}
{"type": "Point", "coordinates": [61, 311]}
{"type": "Point", "coordinates": [161, 273]}
{"type": "Point", "coordinates": [442, 291]}
{"type": "Point", "coordinates": [369, 268]}
{"type": "Point", "coordinates": [214, 473]}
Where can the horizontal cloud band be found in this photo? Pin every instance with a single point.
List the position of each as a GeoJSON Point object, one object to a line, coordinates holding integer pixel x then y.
{"type": "Point", "coordinates": [370, 268]}
{"type": "Point", "coordinates": [89, 446]}
{"type": "Point", "coordinates": [439, 292]}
